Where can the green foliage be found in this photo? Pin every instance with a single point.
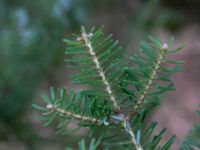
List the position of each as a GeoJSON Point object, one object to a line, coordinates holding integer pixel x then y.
{"type": "Point", "coordinates": [115, 139]}
{"type": "Point", "coordinates": [119, 92]}
{"type": "Point", "coordinates": [78, 104]}
{"type": "Point", "coordinates": [192, 140]}
{"type": "Point", "coordinates": [111, 60]}
{"type": "Point", "coordinates": [149, 75]}
{"type": "Point", "coordinates": [28, 49]}
{"type": "Point", "coordinates": [29, 58]}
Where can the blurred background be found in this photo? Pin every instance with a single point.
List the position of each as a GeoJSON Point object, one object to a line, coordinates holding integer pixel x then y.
{"type": "Point", "coordinates": [32, 59]}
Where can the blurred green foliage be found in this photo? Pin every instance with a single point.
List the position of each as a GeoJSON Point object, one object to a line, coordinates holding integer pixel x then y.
{"type": "Point", "coordinates": [31, 51]}
{"type": "Point", "coordinates": [30, 55]}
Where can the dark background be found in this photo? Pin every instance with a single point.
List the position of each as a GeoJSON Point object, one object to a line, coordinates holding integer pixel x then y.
{"type": "Point", "coordinates": [32, 59]}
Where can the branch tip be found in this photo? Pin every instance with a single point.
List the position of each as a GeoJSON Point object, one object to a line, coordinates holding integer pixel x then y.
{"type": "Point", "coordinates": [50, 106]}
{"type": "Point", "coordinates": [86, 39]}
{"type": "Point", "coordinates": [165, 46]}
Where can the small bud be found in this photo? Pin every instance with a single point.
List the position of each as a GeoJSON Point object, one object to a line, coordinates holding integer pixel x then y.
{"type": "Point", "coordinates": [79, 39]}
{"type": "Point", "coordinates": [49, 106]}
{"type": "Point", "coordinates": [165, 46]}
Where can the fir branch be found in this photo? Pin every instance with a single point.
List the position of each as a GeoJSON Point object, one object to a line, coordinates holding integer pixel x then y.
{"type": "Point", "coordinates": [102, 69]}
{"type": "Point", "coordinates": [153, 76]}
{"type": "Point", "coordinates": [75, 116]}
{"type": "Point", "coordinates": [86, 38]}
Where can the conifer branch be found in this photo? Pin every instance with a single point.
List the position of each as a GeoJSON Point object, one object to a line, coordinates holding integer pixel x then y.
{"type": "Point", "coordinates": [86, 38]}
{"type": "Point", "coordinates": [101, 66]}
{"type": "Point", "coordinates": [149, 84]}
{"type": "Point", "coordinates": [71, 114]}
